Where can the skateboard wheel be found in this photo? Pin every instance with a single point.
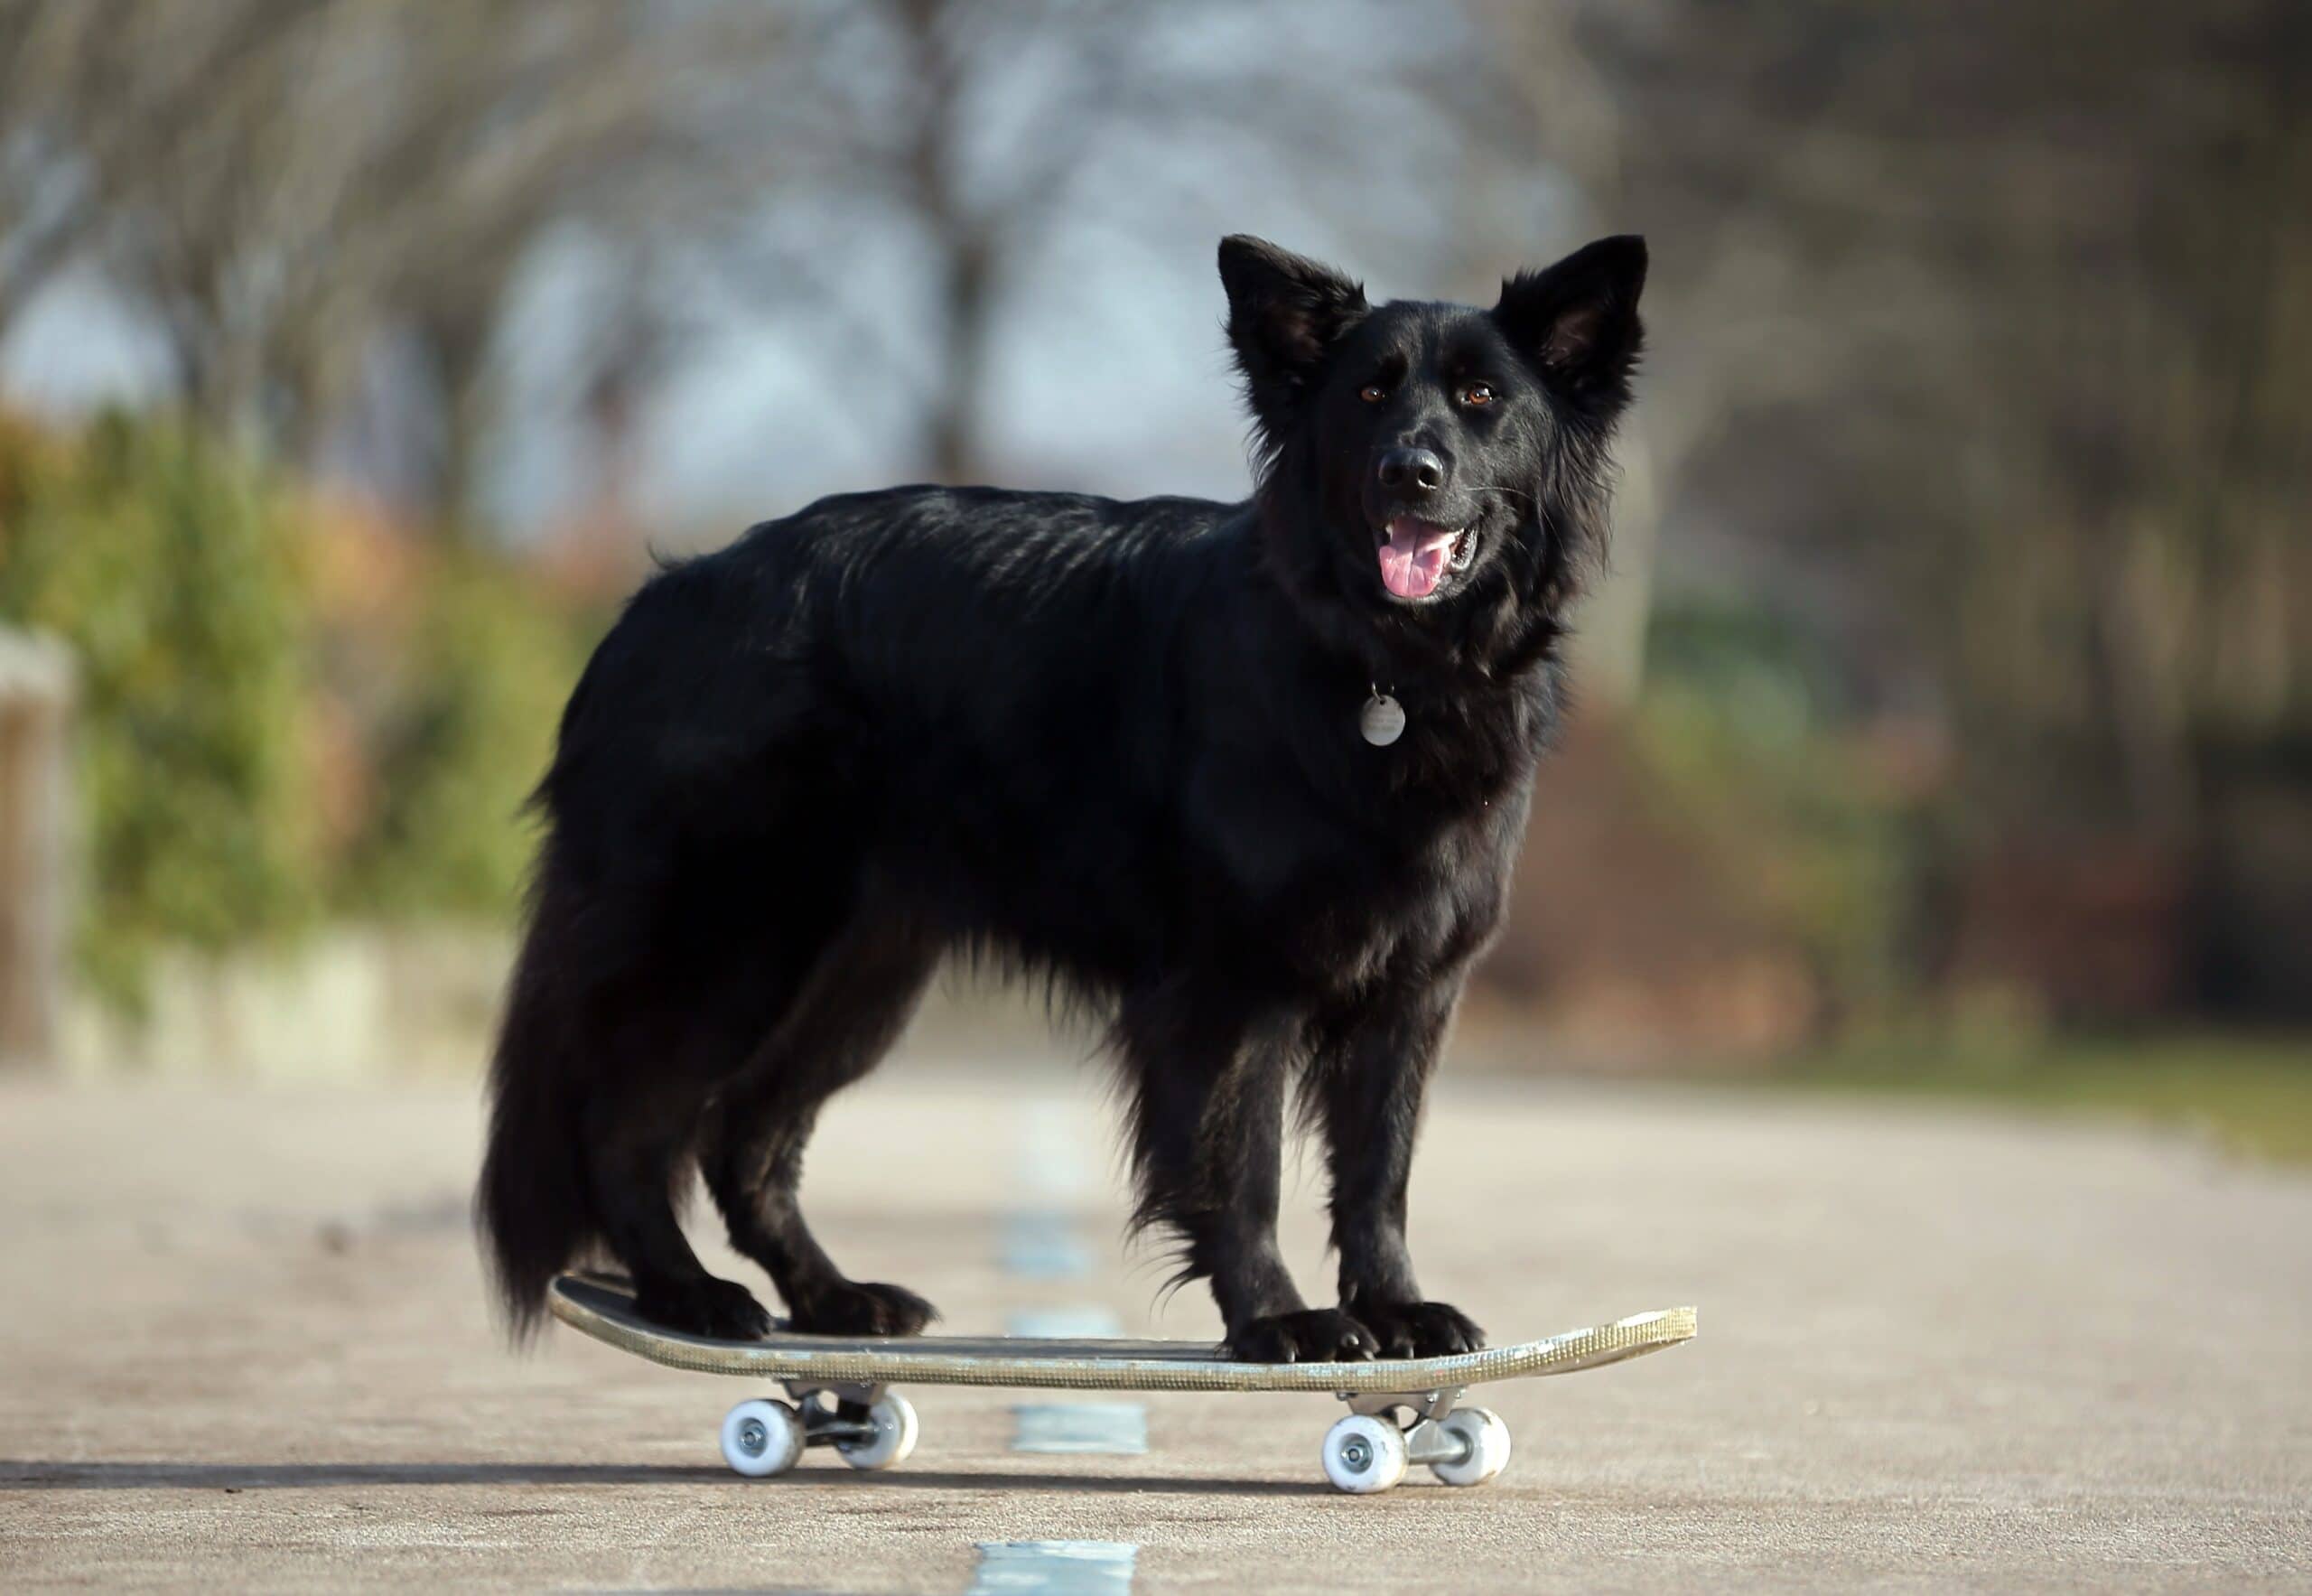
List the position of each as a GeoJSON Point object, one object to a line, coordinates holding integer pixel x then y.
{"type": "Point", "coordinates": [1488, 1437]}
{"type": "Point", "coordinates": [1365, 1454]}
{"type": "Point", "coordinates": [761, 1438]}
{"type": "Point", "coordinates": [893, 1417]}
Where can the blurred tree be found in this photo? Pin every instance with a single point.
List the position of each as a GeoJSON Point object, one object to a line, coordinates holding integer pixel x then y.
{"type": "Point", "coordinates": [281, 184]}
{"type": "Point", "coordinates": [283, 187]}
{"type": "Point", "coordinates": [980, 131]}
{"type": "Point", "coordinates": [1986, 327]}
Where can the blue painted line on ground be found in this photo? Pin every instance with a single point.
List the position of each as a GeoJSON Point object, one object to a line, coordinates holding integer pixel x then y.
{"type": "Point", "coordinates": [1063, 1324]}
{"type": "Point", "coordinates": [1044, 1246]}
{"type": "Point", "coordinates": [1116, 1429]}
{"type": "Point", "coordinates": [1053, 1164]}
{"type": "Point", "coordinates": [1054, 1568]}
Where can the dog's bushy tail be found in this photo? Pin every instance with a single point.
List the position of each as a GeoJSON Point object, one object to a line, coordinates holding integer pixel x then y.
{"type": "Point", "coordinates": [532, 1208]}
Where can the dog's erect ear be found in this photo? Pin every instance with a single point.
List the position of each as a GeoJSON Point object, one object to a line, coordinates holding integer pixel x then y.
{"type": "Point", "coordinates": [1285, 312]}
{"type": "Point", "coordinates": [1578, 321]}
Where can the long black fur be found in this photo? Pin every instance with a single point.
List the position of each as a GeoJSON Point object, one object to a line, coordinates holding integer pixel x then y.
{"type": "Point", "coordinates": [1113, 743]}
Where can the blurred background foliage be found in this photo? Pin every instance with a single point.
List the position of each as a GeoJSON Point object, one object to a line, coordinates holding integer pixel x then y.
{"type": "Point", "coordinates": [282, 717]}
{"type": "Point", "coordinates": [1953, 673]}
{"type": "Point", "coordinates": [1742, 727]}
{"type": "Point", "coordinates": [172, 570]}
{"type": "Point", "coordinates": [460, 733]}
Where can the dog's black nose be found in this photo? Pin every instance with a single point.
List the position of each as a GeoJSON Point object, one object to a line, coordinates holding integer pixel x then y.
{"type": "Point", "coordinates": [1412, 470]}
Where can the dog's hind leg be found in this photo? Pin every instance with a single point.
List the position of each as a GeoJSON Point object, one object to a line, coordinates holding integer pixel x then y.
{"type": "Point", "coordinates": [633, 1161]}
{"type": "Point", "coordinates": [852, 1007]}
{"type": "Point", "coordinates": [1207, 1128]}
{"type": "Point", "coordinates": [609, 1049]}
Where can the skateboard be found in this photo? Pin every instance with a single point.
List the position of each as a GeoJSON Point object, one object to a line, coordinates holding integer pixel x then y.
{"type": "Point", "coordinates": [1402, 1412]}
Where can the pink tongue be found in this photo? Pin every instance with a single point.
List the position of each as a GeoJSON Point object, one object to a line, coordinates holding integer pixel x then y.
{"type": "Point", "coordinates": [1412, 562]}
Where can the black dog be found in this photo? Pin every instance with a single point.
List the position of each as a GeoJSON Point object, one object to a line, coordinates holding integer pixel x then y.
{"type": "Point", "coordinates": [1148, 751]}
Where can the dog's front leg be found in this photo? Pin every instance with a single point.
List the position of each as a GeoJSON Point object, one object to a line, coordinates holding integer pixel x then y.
{"type": "Point", "coordinates": [1370, 1075]}
{"type": "Point", "coordinates": [1208, 1130]}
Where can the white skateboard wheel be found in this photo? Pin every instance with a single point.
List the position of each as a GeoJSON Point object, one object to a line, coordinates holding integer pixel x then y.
{"type": "Point", "coordinates": [1365, 1454]}
{"type": "Point", "coordinates": [896, 1429]}
{"type": "Point", "coordinates": [1488, 1437]}
{"type": "Point", "coordinates": [761, 1438]}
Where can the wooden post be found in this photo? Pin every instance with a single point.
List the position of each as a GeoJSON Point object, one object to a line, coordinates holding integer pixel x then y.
{"type": "Point", "coordinates": [35, 845]}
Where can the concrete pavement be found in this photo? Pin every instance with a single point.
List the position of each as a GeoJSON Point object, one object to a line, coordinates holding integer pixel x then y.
{"type": "Point", "coordinates": [243, 1343]}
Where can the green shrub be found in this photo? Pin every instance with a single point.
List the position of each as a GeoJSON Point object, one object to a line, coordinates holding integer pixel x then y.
{"type": "Point", "coordinates": [171, 569]}
{"type": "Point", "coordinates": [463, 739]}
{"type": "Point", "coordinates": [177, 572]}
{"type": "Point", "coordinates": [1743, 728]}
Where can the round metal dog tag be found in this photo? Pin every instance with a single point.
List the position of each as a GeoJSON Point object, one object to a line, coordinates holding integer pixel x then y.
{"type": "Point", "coordinates": [1383, 721]}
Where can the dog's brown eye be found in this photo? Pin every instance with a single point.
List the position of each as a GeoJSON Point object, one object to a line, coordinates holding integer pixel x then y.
{"type": "Point", "coordinates": [1372, 392]}
{"type": "Point", "coordinates": [1477, 395]}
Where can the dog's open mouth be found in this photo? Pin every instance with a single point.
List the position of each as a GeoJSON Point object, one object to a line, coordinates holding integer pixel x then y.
{"type": "Point", "coordinates": [1415, 554]}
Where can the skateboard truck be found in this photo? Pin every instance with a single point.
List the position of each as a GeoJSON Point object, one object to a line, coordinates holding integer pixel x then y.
{"type": "Point", "coordinates": [1370, 1450]}
{"type": "Point", "coordinates": [867, 1426]}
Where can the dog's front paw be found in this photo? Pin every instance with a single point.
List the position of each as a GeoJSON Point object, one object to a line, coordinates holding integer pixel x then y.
{"type": "Point", "coordinates": [1312, 1335]}
{"type": "Point", "coordinates": [1419, 1329]}
{"type": "Point", "coordinates": [721, 1309]}
{"type": "Point", "coordinates": [857, 1308]}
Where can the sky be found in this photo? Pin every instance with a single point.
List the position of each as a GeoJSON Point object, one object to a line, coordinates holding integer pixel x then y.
{"type": "Point", "coordinates": [1111, 375]}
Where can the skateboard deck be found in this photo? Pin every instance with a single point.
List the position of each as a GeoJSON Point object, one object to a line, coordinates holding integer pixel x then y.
{"type": "Point", "coordinates": [1402, 1409]}
{"type": "Point", "coordinates": [603, 1307]}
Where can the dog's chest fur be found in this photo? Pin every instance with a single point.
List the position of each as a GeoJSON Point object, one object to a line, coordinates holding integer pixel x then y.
{"type": "Point", "coordinates": [1353, 863]}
